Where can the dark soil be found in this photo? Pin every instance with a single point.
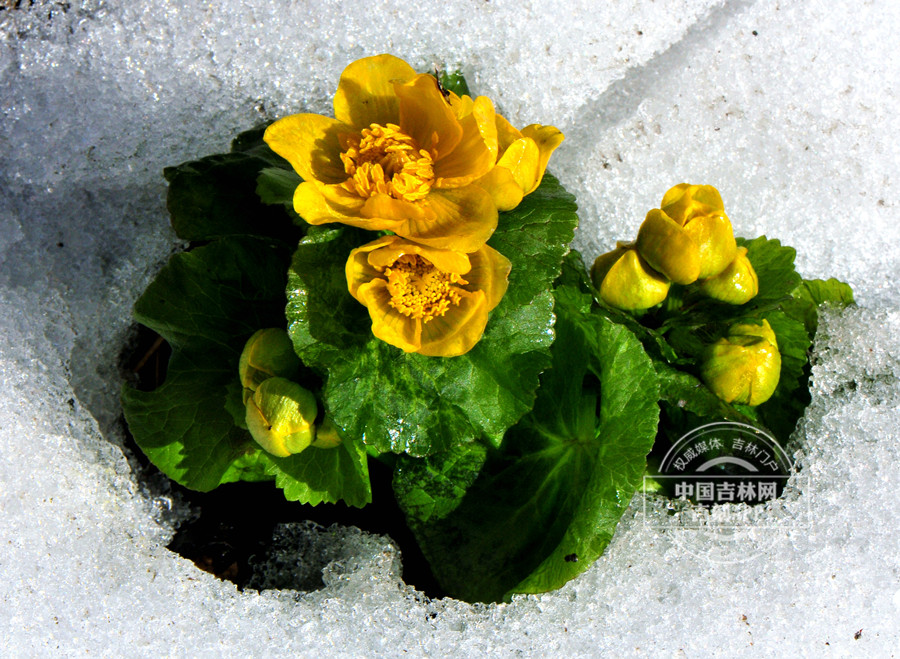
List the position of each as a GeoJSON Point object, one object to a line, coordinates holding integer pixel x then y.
{"type": "Point", "coordinates": [234, 528]}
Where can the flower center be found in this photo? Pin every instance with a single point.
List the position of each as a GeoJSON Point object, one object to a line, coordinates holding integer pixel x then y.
{"type": "Point", "coordinates": [421, 291]}
{"type": "Point", "coordinates": [384, 160]}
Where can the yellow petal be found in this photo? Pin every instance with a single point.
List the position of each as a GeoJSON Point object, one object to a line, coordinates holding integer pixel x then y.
{"type": "Point", "coordinates": [280, 416]}
{"type": "Point", "coordinates": [268, 353]}
{"type": "Point", "coordinates": [426, 116]}
{"type": "Point", "coordinates": [547, 138]}
{"type": "Point", "coordinates": [736, 284]}
{"type": "Point", "coordinates": [460, 219]}
{"type": "Point", "coordinates": [506, 133]}
{"type": "Point", "coordinates": [605, 262]}
{"type": "Point", "coordinates": [359, 270]}
{"type": "Point", "coordinates": [456, 332]}
{"type": "Point", "coordinates": [486, 116]}
{"type": "Point", "coordinates": [490, 274]}
{"type": "Point", "coordinates": [443, 259]}
{"type": "Point", "coordinates": [472, 157]}
{"type": "Point", "coordinates": [365, 94]}
{"type": "Point", "coordinates": [684, 202]}
{"type": "Point", "coordinates": [742, 369]}
{"type": "Point", "coordinates": [763, 331]}
{"type": "Point", "coordinates": [523, 160]}
{"type": "Point", "coordinates": [310, 142]}
{"type": "Point", "coordinates": [389, 214]}
{"type": "Point", "coordinates": [715, 239]}
{"type": "Point", "coordinates": [388, 324]}
{"type": "Point", "coordinates": [462, 105]}
{"type": "Point", "coordinates": [321, 204]}
{"type": "Point", "coordinates": [631, 284]}
{"type": "Point", "coordinates": [668, 248]}
{"type": "Point", "coordinates": [500, 184]}
{"type": "Point", "coordinates": [674, 193]}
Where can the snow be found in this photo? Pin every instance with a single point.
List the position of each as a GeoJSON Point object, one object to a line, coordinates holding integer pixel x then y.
{"type": "Point", "coordinates": [789, 108]}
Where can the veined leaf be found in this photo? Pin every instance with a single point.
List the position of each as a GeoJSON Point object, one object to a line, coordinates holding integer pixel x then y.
{"type": "Point", "coordinates": [319, 475]}
{"type": "Point", "coordinates": [529, 517]}
{"type": "Point", "coordinates": [206, 303]}
{"type": "Point", "coordinates": [409, 403]}
{"type": "Point", "coordinates": [216, 197]}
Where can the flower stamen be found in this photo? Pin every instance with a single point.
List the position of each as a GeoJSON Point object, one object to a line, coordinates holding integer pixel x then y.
{"type": "Point", "coordinates": [385, 160]}
{"type": "Point", "coordinates": [419, 290]}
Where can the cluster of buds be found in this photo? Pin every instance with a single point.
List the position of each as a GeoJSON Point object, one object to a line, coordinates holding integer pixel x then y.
{"type": "Point", "coordinates": [743, 367]}
{"type": "Point", "coordinates": [688, 240]}
{"type": "Point", "coordinates": [280, 414]}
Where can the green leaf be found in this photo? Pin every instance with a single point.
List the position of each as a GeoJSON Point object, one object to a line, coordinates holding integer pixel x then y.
{"type": "Point", "coordinates": [317, 475]}
{"type": "Point", "coordinates": [276, 186]}
{"type": "Point", "coordinates": [220, 293]}
{"type": "Point", "coordinates": [184, 427]}
{"type": "Point", "coordinates": [544, 506]}
{"type": "Point", "coordinates": [535, 237]}
{"type": "Point", "coordinates": [206, 303]}
{"type": "Point", "coordinates": [454, 81]}
{"type": "Point", "coordinates": [774, 266]}
{"type": "Point", "coordinates": [811, 293]}
{"type": "Point", "coordinates": [829, 291]}
{"type": "Point", "coordinates": [432, 488]}
{"type": "Point", "coordinates": [410, 403]}
{"type": "Point", "coordinates": [252, 467]}
{"type": "Point", "coordinates": [684, 391]}
{"type": "Point", "coordinates": [216, 197]}
{"type": "Point", "coordinates": [326, 323]}
{"type": "Point", "coordinates": [251, 143]}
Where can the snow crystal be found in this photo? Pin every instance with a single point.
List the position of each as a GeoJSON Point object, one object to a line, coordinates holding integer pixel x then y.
{"type": "Point", "coordinates": [788, 108]}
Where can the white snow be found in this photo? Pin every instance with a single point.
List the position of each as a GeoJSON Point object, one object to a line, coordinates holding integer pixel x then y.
{"type": "Point", "coordinates": [788, 107]}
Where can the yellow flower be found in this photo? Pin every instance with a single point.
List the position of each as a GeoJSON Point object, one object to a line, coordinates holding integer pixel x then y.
{"type": "Point", "coordinates": [699, 209]}
{"type": "Point", "coordinates": [427, 300]}
{"type": "Point", "coordinates": [522, 158]}
{"type": "Point", "coordinates": [396, 157]}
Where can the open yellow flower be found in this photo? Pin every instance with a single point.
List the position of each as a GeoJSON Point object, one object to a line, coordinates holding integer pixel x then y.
{"type": "Point", "coordinates": [522, 158]}
{"type": "Point", "coordinates": [427, 300]}
{"type": "Point", "coordinates": [396, 157]}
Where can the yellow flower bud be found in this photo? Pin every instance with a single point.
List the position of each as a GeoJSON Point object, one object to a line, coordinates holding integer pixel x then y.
{"type": "Point", "coordinates": [736, 284]}
{"type": "Point", "coordinates": [684, 202]}
{"type": "Point", "coordinates": [268, 353]}
{"type": "Point", "coordinates": [715, 240]}
{"type": "Point", "coordinates": [763, 331]}
{"type": "Point", "coordinates": [668, 248]}
{"type": "Point", "coordinates": [327, 435]}
{"type": "Point", "coordinates": [605, 261]}
{"type": "Point", "coordinates": [628, 282]}
{"type": "Point", "coordinates": [743, 367]}
{"type": "Point", "coordinates": [699, 209]}
{"type": "Point", "coordinates": [281, 416]}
